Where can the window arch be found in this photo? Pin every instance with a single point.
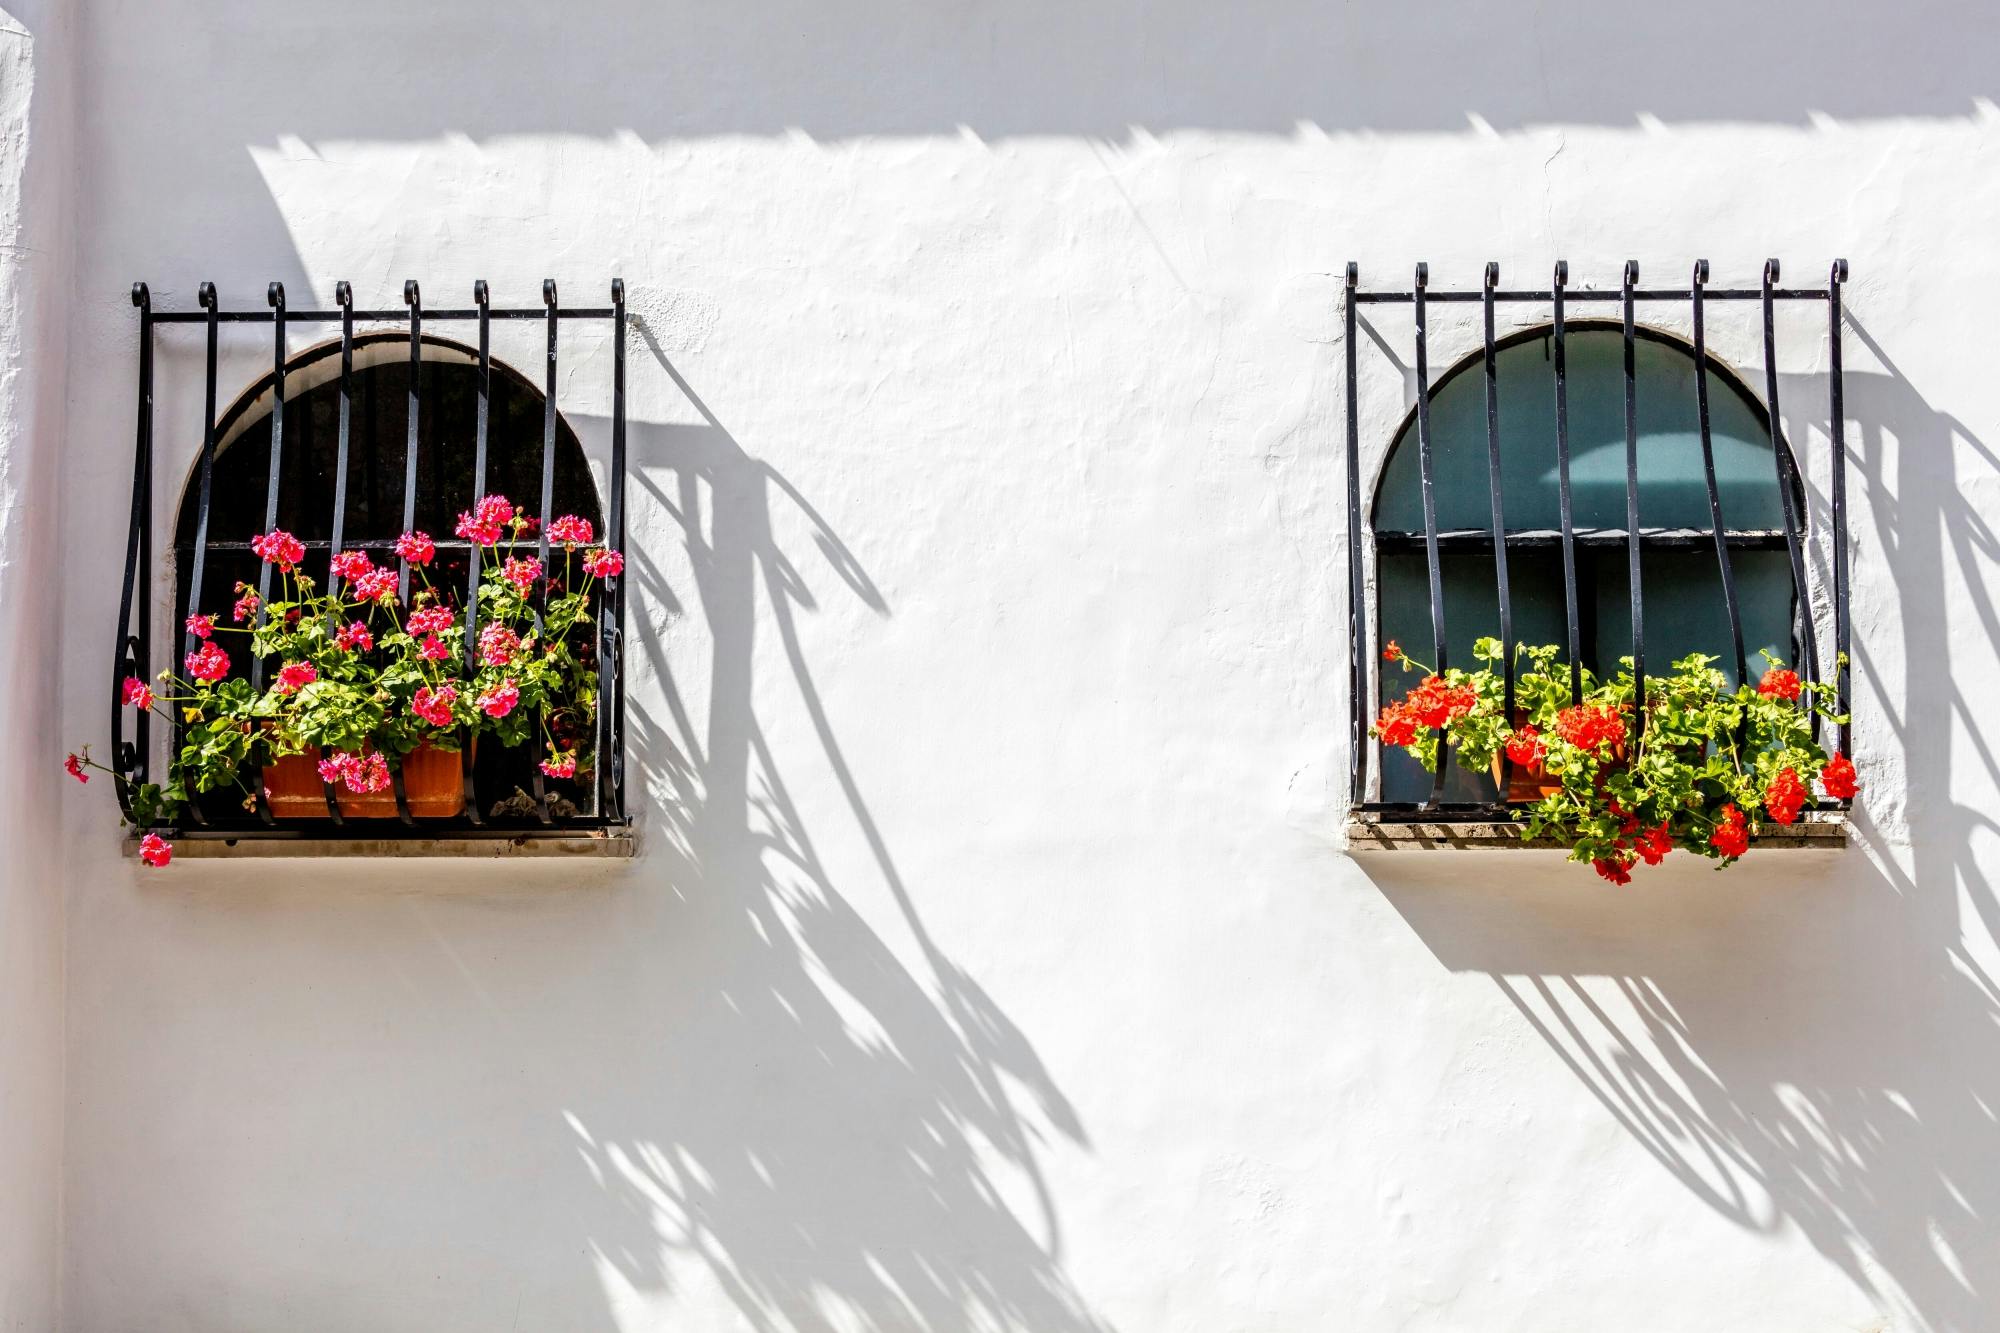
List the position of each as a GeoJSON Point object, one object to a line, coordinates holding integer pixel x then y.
{"type": "Point", "coordinates": [1686, 610]}
{"type": "Point", "coordinates": [377, 451]}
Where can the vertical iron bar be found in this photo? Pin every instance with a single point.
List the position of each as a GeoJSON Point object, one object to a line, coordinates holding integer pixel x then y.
{"type": "Point", "coordinates": [205, 294]}
{"type": "Point", "coordinates": [133, 653]}
{"type": "Point", "coordinates": [1357, 666]}
{"type": "Point", "coordinates": [1842, 625]}
{"type": "Point", "coordinates": [1699, 281]}
{"type": "Point", "coordinates": [1426, 463]}
{"type": "Point", "coordinates": [475, 556]}
{"type": "Point", "coordinates": [1563, 491]}
{"type": "Point", "coordinates": [542, 545]}
{"type": "Point", "coordinates": [1633, 572]}
{"type": "Point", "coordinates": [343, 296]}
{"type": "Point", "coordinates": [1499, 521]}
{"type": "Point", "coordinates": [611, 609]}
{"type": "Point", "coordinates": [412, 297]}
{"type": "Point", "coordinates": [275, 294]}
{"type": "Point", "coordinates": [1789, 488]}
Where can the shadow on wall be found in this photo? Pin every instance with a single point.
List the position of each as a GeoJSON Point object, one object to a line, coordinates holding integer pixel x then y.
{"type": "Point", "coordinates": [667, 71]}
{"type": "Point", "coordinates": [842, 1139]}
{"type": "Point", "coordinates": [1809, 1041]}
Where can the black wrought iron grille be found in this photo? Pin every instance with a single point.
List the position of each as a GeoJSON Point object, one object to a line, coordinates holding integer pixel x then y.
{"type": "Point", "coordinates": [137, 653]}
{"type": "Point", "coordinates": [1558, 298]}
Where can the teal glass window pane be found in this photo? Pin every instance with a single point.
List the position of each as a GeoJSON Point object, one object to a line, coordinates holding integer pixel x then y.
{"type": "Point", "coordinates": [1673, 493]}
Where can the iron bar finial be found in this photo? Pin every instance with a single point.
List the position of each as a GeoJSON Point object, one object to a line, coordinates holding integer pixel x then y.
{"type": "Point", "coordinates": [618, 291]}
{"type": "Point", "coordinates": [1631, 274]}
{"type": "Point", "coordinates": [1700, 273]}
{"type": "Point", "coordinates": [1770, 273]}
{"type": "Point", "coordinates": [412, 294]}
{"type": "Point", "coordinates": [343, 294]}
{"type": "Point", "coordinates": [1423, 275]}
{"type": "Point", "coordinates": [142, 296]}
{"type": "Point", "coordinates": [205, 295]}
{"type": "Point", "coordinates": [1353, 276]}
{"type": "Point", "coordinates": [481, 297]}
{"type": "Point", "coordinates": [1562, 273]}
{"type": "Point", "coordinates": [1492, 275]}
{"type": "Point", "coordinates": [1839, 273]}
{"type": "Point", "coordinates": [274, 296]}
{"type": "Point", "coordinates": [549, 292]}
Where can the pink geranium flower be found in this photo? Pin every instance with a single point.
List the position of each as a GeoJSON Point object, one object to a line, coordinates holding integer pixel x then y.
{"type": "Point", "coordinates": [572, 531]}
{"type": "Point", "coordinates": [137, 693]}
{"type": "Point", "coordinates": [484, 525]}
{"type": "Point", "coordinates": [603, 563]}
{"type": "Point", "coordinates": [352, 565]}
{"type": "Point", "coordinates": [280, 548]}
{"type": "Point", "coordinates": [560, 765]}
{"type": "Point", "coordinates": [74, 767]}
{"type": "Point", "coordinates": [155, 851]}
{"type": "Point", "coordinates": [208, 662]}
{"type": "Point", "coordinates": [295, 676]}
{"type": "Point", "coordinates": [433, 649]}
{"type": "Point", "coordinates": [498, 644]}
{"type": "Point", "coordinates": [376, 585]}
{"type": "Point", "coordinates": [521, 573]}
{"type": "Point", "coordinates": [500, 700]}
{"type": "Point", "coordinates": [416, 547]}
{"type": "Point", "coordinates": [434, 705]}
{"type": "Point", "coordinates": [354, 637]}
{"type": "Point", "coordinates": [431, 620]}
{"type": "Point", "coordinates": [202, 626]}
{"type": "Point", "coordinates": [246, 604]}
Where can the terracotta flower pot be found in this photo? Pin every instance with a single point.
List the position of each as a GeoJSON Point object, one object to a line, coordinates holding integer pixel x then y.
{"type": "Point", "coordinates": [433, 784]}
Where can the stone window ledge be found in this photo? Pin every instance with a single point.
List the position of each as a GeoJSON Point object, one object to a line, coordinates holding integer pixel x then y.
{"type": "Point", "coordinates": [1819, 831]}
{"type": "Point", "coordinates": [615, 844]}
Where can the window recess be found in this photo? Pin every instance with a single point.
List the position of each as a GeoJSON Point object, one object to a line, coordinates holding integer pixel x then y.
{"type": "Point", "coordinates": [1586, 481]}
{"type": "Point", "coordinates": [386, 426]}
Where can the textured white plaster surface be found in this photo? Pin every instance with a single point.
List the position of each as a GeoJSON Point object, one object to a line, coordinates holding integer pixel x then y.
{"type": "Point", "coordinates": [992, 961]}
{"type": "Point", "coordinates": [36, 162]}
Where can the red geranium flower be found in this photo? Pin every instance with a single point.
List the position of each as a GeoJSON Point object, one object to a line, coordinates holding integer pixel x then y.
{"type": "Point", "coordinates": [1396, 726]}
{"type": "Point", "coordinates": [1838, 777]}
{"type": "Point", "coordinates": [498, 644]}
{"type": "Point", "coordinates": [1589, 726]}
{"type": "Point", "coordinates": [1616, 869]}
{"type": "Point", "coordinates": [137, 693]}
{"type": "Point", "coordinates": [1779, 683]}
{"type": "Point", "coordinates": [560, 766]}
{"type": "Point", "coordinates": [1785, 795]}
{"type": "Point", "coordinates": [1525, 746]}
{"type": "Point", "coordinates": [1730, 837]}
{"type": "Point", "coordinates": [246, 604]}
{"type": "Point", "coordinates": [376, 585]}
{"type": "Point", "coordinates": [1393, 653]}
{"type": "Point", "coordinates": [433, 649]}
{"type": "Point", "coordinates": [354, 636]}
{"type": "Point", "coordinates": [1654, 844]}
{"type": "Point", "coordinates": [202, 626]}
{"type": "Point", "coordinates": [522, 573]}
{"type": "Point", "coordinates": [74, 767]}
{"type": "Point", "coordinates": [603, 563]}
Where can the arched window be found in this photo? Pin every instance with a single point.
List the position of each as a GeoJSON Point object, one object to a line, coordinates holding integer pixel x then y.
{"type": "Point", "coordinates": [1685, 609]}
{"type": "Point", "coordinates": [373, 494]}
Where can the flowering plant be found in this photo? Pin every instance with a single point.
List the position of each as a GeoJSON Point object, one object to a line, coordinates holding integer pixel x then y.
{"type": "Point", "coordinates": [1701, 772]}
{"type": "Point", "coordinates": [365, 676]}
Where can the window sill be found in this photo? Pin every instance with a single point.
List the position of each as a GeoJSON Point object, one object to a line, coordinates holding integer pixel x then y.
{"type": "Point", "coordinates": [1822, 831]}
{"type": "Point", "coordinates": [614, 844]}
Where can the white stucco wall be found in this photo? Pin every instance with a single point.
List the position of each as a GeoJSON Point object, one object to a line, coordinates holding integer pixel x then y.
{"type": "Point", "coordinates": [36, 158]}
{"type": "Point", "coordinates": [994, 960]}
